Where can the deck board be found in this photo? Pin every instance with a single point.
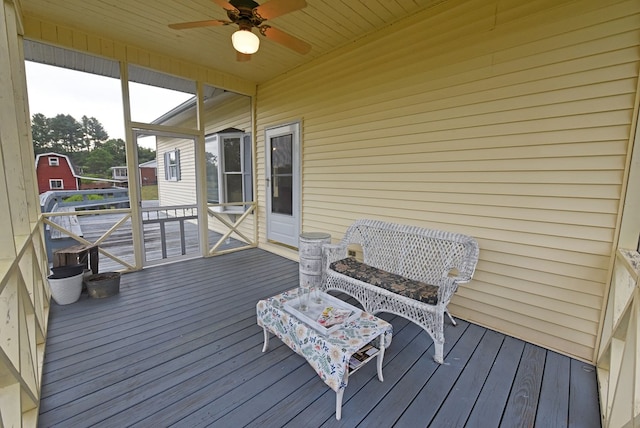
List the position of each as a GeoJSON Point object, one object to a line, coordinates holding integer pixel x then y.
{"type": "Point", "coordinates": [488, 409]}
{"type": "Point", "coordinates": [457, 407]}
{"type": "Point", "coordinates": [553, 407]}
{"type": "Point", "coordinates": [179, 346]}
{"type": "Point", "coordinates": [523, 400]}
{"type": "Point", "coordinates": [582, 382]}
{"type": "Point", "coordinates": [433, 393]}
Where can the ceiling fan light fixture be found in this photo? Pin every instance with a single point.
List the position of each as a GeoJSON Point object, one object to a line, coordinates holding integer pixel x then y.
{"type": "Point", "coordinates": [244, 41]}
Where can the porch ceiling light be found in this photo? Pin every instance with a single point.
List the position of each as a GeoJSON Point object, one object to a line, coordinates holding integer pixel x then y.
{"type": "Point", "coordinates": [244, 41]}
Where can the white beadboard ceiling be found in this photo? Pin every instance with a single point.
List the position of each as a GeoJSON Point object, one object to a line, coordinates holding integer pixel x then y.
{"type": "Point", "coordinates": [324, 24]}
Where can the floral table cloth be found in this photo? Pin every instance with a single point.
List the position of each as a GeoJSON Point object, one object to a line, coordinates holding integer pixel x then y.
{"type": "Point", "coordinates": [329, 355]}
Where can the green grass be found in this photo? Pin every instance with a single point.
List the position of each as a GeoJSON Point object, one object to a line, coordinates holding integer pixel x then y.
{"type": "Point", "coordinates": [149, 193]}
{"type": "Point", "coordinates": [78, 198]}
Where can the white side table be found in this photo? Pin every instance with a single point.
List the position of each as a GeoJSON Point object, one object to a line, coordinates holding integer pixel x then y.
{"type": "Point", "coordinates": [310, 251]}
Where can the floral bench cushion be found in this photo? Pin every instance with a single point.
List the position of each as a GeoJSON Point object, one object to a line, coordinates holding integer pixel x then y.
{"type": "Point", "coordinates": [416, 290]}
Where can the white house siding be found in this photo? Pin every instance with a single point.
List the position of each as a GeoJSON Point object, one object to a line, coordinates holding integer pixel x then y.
{"type": "Point", "coordinates": [182, 192]}
{"type": "Point", "coordinates": [505, 120]}
{"type": "Point", "coordinates": [233, 112]}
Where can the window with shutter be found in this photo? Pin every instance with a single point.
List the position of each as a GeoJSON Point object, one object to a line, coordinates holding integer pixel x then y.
{"type": "Point", "coordinates": [172, 165]}
{"type": "Point", "coordinates": [229, 169]}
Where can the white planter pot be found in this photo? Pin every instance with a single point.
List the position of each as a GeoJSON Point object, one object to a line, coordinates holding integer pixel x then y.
{"type": "Point", "coordinates": [66, 290]}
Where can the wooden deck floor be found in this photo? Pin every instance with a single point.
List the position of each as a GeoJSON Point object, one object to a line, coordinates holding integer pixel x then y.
{"type": "Point", "coordinates": [179, 346]}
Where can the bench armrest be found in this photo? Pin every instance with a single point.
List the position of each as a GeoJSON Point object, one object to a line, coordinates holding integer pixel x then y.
{"type": "Point", "coordinates": [332, 253]}
{"type": "Point", "coordinates": [446, 289]}
{"type": "Point", "coordinates": [459, 279]}
{"type": "Point", "coordinates": [449, 285]}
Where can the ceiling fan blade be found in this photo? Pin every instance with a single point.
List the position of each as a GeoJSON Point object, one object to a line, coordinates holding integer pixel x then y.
{"type": "Point", "coordinates": [225, 5]}
{"type": "Point", "coordinates": [240, 57]}
{"type": "Point", "coordinates": [274, 8]}
{"type": "Point", "coordinates": [285, 39]}
{"type": "Point", "coordinates": [195, 24]}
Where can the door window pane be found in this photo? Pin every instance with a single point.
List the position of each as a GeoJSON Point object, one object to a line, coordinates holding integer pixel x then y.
{"type": "Point", "coordinates": [281, 175]}
{"type": "Point", "coordinates": [281, 195]}
{"type": "Point", "coordinates": [281, 155]}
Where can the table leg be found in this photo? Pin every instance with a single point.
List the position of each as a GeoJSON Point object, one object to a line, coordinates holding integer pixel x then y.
{"type": "Point", "coordinates": [266, 340]}
{"type": "Point", "coordinates": [340, 392]}
{"type": "Point", "coordinates": [380, 358]}
{"type": "Point", "coordinates": [339, 403]}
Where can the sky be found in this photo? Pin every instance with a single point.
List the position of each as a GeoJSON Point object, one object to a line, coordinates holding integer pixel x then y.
{"type": "Point", "coordinates": [55, 90]}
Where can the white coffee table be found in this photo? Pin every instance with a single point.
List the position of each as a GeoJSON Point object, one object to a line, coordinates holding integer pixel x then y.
{"type": "Point", "coordinates": [329, 354]}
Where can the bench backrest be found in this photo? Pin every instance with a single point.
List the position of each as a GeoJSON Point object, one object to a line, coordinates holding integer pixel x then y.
{"type": "Point", "coordinates": [414, 252]}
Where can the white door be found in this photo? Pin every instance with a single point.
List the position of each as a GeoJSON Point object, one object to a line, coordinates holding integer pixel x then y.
{"type": "Point", "coordinates": [283, 183]}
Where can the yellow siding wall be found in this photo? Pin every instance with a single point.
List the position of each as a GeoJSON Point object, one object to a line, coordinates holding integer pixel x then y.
{"type": "Point", "coordinates": [505, 120]}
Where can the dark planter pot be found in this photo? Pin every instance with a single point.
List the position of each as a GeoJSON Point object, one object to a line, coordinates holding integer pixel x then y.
{"type": "Point", "coordinates": [66, 271]}
{"type": "Point", "coordinates": [104, 284]}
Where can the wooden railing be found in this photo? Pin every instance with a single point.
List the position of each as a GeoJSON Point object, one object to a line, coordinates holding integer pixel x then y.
{"type": "Point", "coordinates": [62, 227]}
{"type": "Point", "coordinates": [49, 220]}
{"type": "Point", "coordinates": [164, 216]}
{"type": "Point", "coordinates": [24, 310]}
{"type": "Point", "coordinates": [618, 360]}
{"type": "Point", "coordinates": [236, 225]}
{"type": "Point", "coordinates": [230, 217]}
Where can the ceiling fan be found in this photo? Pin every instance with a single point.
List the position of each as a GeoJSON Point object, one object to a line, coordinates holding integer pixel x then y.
{"type": "Point", "coordinates": [247, 14]}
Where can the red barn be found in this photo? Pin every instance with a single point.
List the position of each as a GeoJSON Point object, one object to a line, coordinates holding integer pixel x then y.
{"type": "Point", "coordinates": [148, 173]}
{"type": "Point", "coordinates": [55, 172]}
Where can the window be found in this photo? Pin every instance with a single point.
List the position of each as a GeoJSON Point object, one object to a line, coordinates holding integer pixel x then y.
{"type": "Point", "coordinates": [172, 165]}
{"type": "Point", "coordinates": [229, 168]}
{"type": "Point", "coordinates": [120, 172]}
{"type": "Point", "coordinates": [55, 184]}
{"type": "Point", "coordinates": [54, 162]}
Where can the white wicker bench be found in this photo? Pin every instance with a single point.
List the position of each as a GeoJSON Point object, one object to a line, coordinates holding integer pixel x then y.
{"type": "Point", "coordinates": [407, 270]}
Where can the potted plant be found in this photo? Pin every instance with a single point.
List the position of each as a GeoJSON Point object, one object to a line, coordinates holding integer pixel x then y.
{"type": "Point", "coordinates": [66, 283]}
{"type": "Point", "coordinates": [104, 284]}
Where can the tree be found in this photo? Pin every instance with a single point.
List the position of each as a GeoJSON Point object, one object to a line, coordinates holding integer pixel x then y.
{"type": "Point", "coordinates": [116, 148]}
{"type": "Point", "coordinates": [145, 155]}
{"type": "Point", "coordinates": [41, 133]}
{"type": "Point", "coordinates": [86, 143]}
{"type": "Point", "coordinates": [99, 161]}
{"type": "Point", "coordinates": [66, 134]}
{"type": "Point", "coordinates": [63, 134]}
{"type": "Point", "coordinates": [94, 133]}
